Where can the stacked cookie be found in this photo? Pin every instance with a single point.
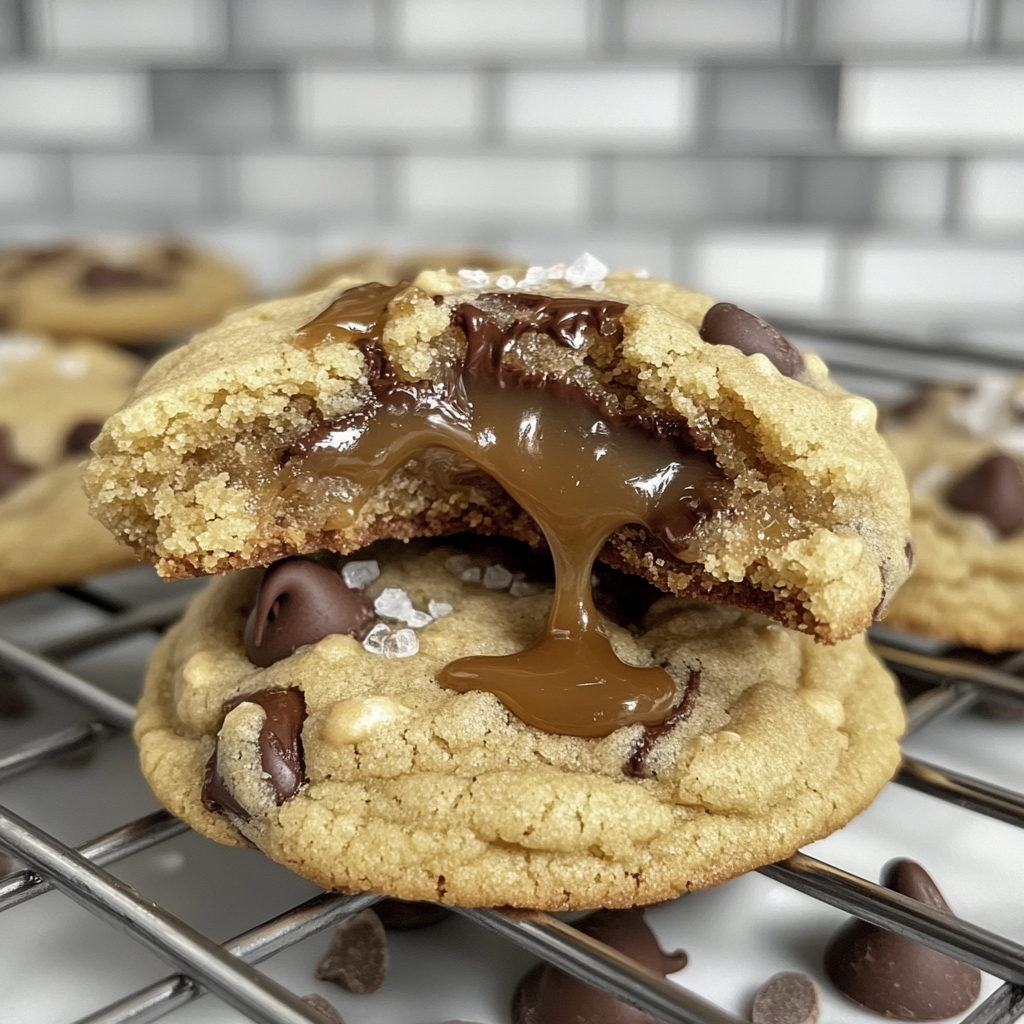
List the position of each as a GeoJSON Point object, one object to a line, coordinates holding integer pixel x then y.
{"type": "Point", "coordinates": [961, 449]}
{"type": "Point", "coordinates": [652, 677]}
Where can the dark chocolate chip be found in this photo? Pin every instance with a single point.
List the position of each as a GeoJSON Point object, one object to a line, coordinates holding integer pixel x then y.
{"type": "Point", "coordinates": [404, 916]}
{"type": "Point", "coordinates": [81, 435]}
{"type": "Point", "coordinates": [101, 278]}
{"type": "Point", "coordinates": [547, 995]}
{"type": "Point", "coordinates": [907, 410]}
{"type": "Point", "coordinates": [12, 470]}
{"type": "Point", "coordinates": [786, 998]}
{"type": "Point", "coordinates": [15, 701]}
{"type": "Point", "coordinates": [994, 489]}
{"type": "Point", "coordinates": [301, 602]}
{"type": "Point", "coordinates": [896, 976]}
{"type": "Point", "coordinates": [79, 759]}
{"type": "Point", "coordinates": [324, 1008]}
{"type": "Point", "coordinates": [727, 324]}
{"type": "Point", "coordinates": [280, 750]}
{"type": "Point", "coordinates": [357, 959]}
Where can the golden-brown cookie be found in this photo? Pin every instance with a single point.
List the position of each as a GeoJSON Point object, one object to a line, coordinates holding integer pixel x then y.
{"type": "Point", "coordinates": [149, 293]}
{"type": "Point", "coordinates": [347, 762]}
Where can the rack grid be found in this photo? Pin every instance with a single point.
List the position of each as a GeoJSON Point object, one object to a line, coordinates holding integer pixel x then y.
{"type": "Point", "coordinates": [201, 965]}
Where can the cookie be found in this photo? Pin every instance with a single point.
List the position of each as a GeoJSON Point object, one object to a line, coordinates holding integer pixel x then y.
{"type": "Point", "coordinates": [142, 294]}
{"type": "Point", "coordinates": [374, 265]}
{"type": "Point", "coordinates": [609, 415]}
{"type": "Point", "coordinates": [53, 400]}
{"type": "Point", "coordinates": [347, 761]}
{"type": "Point", "coordinates": [962, 449]}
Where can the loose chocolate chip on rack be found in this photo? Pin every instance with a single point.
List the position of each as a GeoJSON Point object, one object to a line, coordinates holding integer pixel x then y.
{"type": "Point", "coordinates": [404, 916]}
{"type": "Point", "coordinates": [81, 435]}
{"type": "Point", "coordinates": [547, 995]}
{"type": "Point", "coordinates": [280, 750]}
{"type": "Point", "coordinates": [324, 1008]}
{"type": "Point", "coordinates": [994, 489]}
{"type": "Point", "coordinates": [12, 471]}
{"type": "Point", "coordinates": [895, 976]}
{"type": "Point", "coordinates": [357, 959]}
{"type": "Point", "coordinates": [727, 324]}
{"type": "Point", "coordinates": [786, 998]}
{"type": "Point", "coordinates": [301, 602]}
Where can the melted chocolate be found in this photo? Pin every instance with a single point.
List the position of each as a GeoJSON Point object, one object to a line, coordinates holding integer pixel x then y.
{"type": "Point", "coordinates": [280, 750]}
{"type": "Point", "coordinates": [637, 764]}
{"type": "Point", "coordinates": [81, 435]}
{"type": "Point", "coordinates": [581, 472]}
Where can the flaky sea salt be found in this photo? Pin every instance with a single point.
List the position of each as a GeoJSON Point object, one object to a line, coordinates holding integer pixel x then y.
{"type": "Point", "coordinates": [374, 640]}
{"type": "Point", "coordinates": [358, 575]}
{"type": "Point", "coordinates": [520, 588]}
{"type": "Point", "coordinates": [439, 609]}
{"type": "Point", "coordinates": [474, 278]}
{"type": "Point", "coordinates": [535, 277]}
{"type": "Point", "coordinates": [586, 270]}
{"type": "Point", "coordinates": [497, 577]}
{"type": "Point", "coordinates": [506, 281]}
{"type": "Point", "coordinates": [403, 643]}
{"type": "Point", "coordinates": [980, 410]}
{"type": "Point", "coordinates": [395, 603]}
{"type": "Point", "coordinates": [458, 564]}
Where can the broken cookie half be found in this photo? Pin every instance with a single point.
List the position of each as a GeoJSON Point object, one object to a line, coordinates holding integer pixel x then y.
{"type": "Point", "coordinates": [613, 417]}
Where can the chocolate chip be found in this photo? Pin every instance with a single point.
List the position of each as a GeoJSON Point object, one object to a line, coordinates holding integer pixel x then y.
{"type": "Point", "coordinates": [896, 976]}
{"type": "Point", "coordinates": [299, 603]}
{"type": "Point", "coordinates": [908, 409]}
{"type": "Point", "coordinates": [280, 750]}
{"type": "Point", "coordinates": [786, 998]}
{"type": "Point", "coordinates": [81, 435]}
{"type": "Point", "coordinates": [547, 995]}
{"type": "Point", "coordinates": [12, 471]}
{"type": "Point", "coordinates": [15, 701]}
{"type": "Point", "coordinates": [727, 324]}
{"type": "Point", "coordinates": [404, 916]}
{"type": "Point", "coordinates": [357, 959]}
{"type": "Point", "coordinates": [324, 1008]}
{"type": "Point", "coordinates": [994, 489]}
{"type": "Point", "coordinates": [103, 278]}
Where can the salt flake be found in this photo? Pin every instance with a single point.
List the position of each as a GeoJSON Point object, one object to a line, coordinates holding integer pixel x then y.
{"type": "Point", "coordinates": [358, 575]}
{"type": "Point", "coordinates": [472, 575]}
{"type": "Point", "coordinates": [439, 609]}
{"type": "Point", "coordinates": [535, 277]}
{"type": "Point", "coordinates": [497, 577]}
{"type": "Point", "coordinates": [374, 640]}
{"type": "Point", "coordinates": [395, 603]}
{"type": "Point", "coordinates": [474, 278]}
{"type": "Point", "coordinates": [520, 588]}
{"type": "Point", "coordinates": [403, 643]}
{"type": "Point", "coordinates": [587, 270]}
{"type": "Point", "coordinates": [506, 281]}
{"type": "Point", "coordinates": [458, 564]}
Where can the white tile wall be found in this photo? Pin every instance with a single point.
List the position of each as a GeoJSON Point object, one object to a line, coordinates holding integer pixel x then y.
{"type": "Point", "coordinates": [302, 26]}
{"type": "Point", "coordinates": [732, 26]}
{"type": "Point", "coordinates": [993, 195]}
{"type": "Point", "coordinates": [135, 183]}
{"type": "Point", "coordinates": [494, 188]}
{"type": "Point", "coordinates": [774, 105]}
{"type": "Point", "coordinates": [64, 106]}
{"type": "Point", "coordinates": [609, 108]}
{"type": "Point", "coordinates": [932, 106]}
{"type": "Point", "coordinates": [1012, 23]}
{"type": "Point", "coordinates": [912, 193]}
{"type": "Point", "coordinates": [21, 181]}
{"type": "Point", "coordinates": [907, 24]}
{"type": "Point", "coordinates": [767, 271]}
{"type": "Point", "coordinates": [305, 185]}
{"type": "Point", "coordinates": [487, 28]}
{"type": "Point", "coordinates": [888, 273]}
{"type": "Point", "coordinates": [388, 105]}
{"type": "Point", "coordinates": [164, 28]}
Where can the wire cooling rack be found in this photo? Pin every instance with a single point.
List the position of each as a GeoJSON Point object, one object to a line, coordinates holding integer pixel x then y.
{"type": "Point", "coordinates": [200, 965]}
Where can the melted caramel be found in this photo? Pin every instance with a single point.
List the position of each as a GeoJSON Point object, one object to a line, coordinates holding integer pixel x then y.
{"type": "Point", "coordinates": [358, 314]}
{"type": "Point", "coordinates": [580, 472]}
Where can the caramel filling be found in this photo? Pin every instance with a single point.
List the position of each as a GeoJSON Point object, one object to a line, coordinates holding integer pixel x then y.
{"type": "Point", "coordinates": [581, 471]}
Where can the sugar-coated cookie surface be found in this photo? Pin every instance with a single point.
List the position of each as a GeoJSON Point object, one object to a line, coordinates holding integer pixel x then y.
{"type": "Point", "coordinates": [53, 398]}
{"type": "Point", "coordinates": [197, 472]}
{"type": "Point", "coordinates": [962, 450]}
{"type": "Point", "coordinates": [427, 794]}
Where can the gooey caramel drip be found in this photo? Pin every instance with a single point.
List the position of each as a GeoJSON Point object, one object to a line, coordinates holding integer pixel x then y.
{"type": "Point", "coordinates": [579, 470]}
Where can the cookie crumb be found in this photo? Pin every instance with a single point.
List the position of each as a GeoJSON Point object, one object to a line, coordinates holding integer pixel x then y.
{"type": "Point", "coordinates": [357, 959]}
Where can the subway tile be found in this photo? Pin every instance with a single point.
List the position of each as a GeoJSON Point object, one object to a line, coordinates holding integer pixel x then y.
{"type": "Point", "coordinates": [10, 27]}
{"type": "Point", "coordinates": [274, 258]}
{"type": "Point", "coordinates": [912, 192]}
{"type": "Point", "coordinates": [730, 26]}
{"type": "Point", "coordinates": [1011, 24]}
{"type": "Point", "coordinates": [840, 25]}
{"type": "Point", "coordinates": [884, 273]}
{"type": "Point", "coordinates": [482, 28]}
{"type": "Point", "coordinates": [301, 26]}
{"type": "Point", "coordinates": [836, 190]}
{"type": "Point", "coordinates": [766, 270]}
{"type": "Point", "coordinates": [214, 105]}
{"type": "Point", "coordinates": [65, 106]}
{"type": "Point", "coordinates": [612, 107]}
{"type": "Point", "coordinates": [694, 188]}
{"type": "Point", "coordinates": [906, 107]}
{"type": "Point", "coordinates": [137, 182]}
{"type": "Point", "coordinates": [394, 105]}
{"type": "Point", "coordinates": [992, 196]}
{"type": "Point", "coordinates": [22, 181]}
{"type": "Point", "coordinates": [165, 28]}
{"type": "Point", "coordinates": [494, 188]}
{"type": "Point", "coordinates": [774, 107]}
{"type": "Point", "coordinates": [310, 185]}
